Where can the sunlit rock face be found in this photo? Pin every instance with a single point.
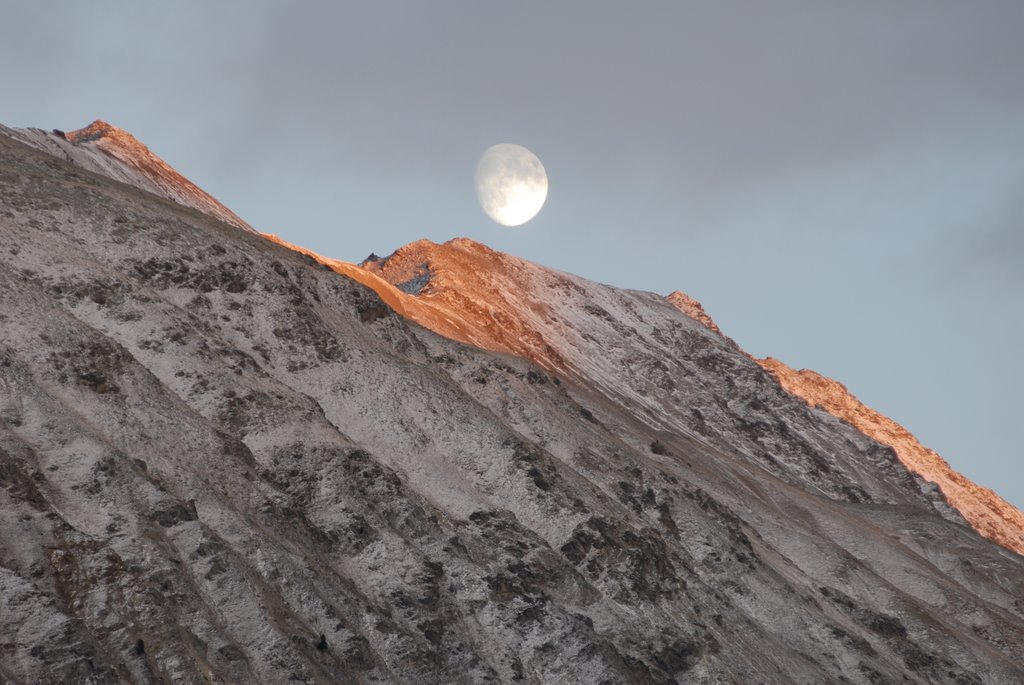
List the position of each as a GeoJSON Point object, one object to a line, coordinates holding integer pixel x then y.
{"type": "Point", "coordinates": [223, 459]}
{"type": "Point", "coordinates": [505, 303]}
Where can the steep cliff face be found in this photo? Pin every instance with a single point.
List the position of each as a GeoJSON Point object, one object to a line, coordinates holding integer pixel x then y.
{"type": "Point", "coordinates": [225, 460]}
{"type": "Point", "coordinates": [115, 153]}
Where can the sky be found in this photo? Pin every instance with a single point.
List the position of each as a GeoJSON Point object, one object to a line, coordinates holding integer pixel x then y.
{"type": "Point", "coordinates": [840, 183]}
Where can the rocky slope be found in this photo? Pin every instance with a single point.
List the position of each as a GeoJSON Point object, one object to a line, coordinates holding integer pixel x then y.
{"type": "Point", "coordinates": [221, 461]}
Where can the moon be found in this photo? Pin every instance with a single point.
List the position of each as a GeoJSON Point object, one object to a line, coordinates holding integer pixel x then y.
{"type": "Point", "coordinates": [511, 184]}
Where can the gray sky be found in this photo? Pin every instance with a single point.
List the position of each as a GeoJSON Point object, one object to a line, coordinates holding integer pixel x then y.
{"type": "Point", "coordinates": [840, 183]}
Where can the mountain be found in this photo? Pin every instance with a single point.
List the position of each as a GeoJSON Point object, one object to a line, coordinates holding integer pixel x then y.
{"type": "Point", "coordinates": [223, 459]}
{"type": "Point", "coordinates": [693, 309]}
{"type": "Point", "coordinates": [987, 512]}
{"type": "Point", "coordinates": [115, 153]}
{"type": "Point", "coordinates": [509, 305]}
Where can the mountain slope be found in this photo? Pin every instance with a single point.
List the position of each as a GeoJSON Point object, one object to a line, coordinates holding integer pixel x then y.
{"type": "Point", "coordinates": [989, 514]}
{"type": "Point", "coordinates": [221, 461]}
{"type": "Point", "coordinates": [984, 510]}
{"type": "Point", "coordinates": [467, 280]}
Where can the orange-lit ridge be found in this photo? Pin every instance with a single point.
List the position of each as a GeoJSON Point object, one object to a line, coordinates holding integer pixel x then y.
{"type": "Point", "coordinates": [460, 300]}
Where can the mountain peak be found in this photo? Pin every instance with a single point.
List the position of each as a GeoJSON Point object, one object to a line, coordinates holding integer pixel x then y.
{"type": "Point", "coordinates": [96, 130]}
{"type": "Point", "coordinates": [426, 247]}
{"type": "Point", "coordinates": [510, 305]}
{"type": "Point", "coordinates": [692, 308]}
{"type": "Point", "coordinates": [470, 245]}
{"type": "Point", "coordinates": [110, 151]}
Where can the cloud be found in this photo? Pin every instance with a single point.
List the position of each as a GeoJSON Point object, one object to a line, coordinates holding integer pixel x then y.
{"type": "Point", "coordinates": [719, 93]}
{"type": "Point", "coordinates": [993, 250]}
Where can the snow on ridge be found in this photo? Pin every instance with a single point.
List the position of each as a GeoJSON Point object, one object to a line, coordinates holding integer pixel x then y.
{"type": "Point", "coordinates": [262, 457]}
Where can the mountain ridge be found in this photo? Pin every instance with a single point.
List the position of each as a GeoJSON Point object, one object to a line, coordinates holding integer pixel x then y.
{"type": "Point", "coordinates": [440, 303]}
{"type": "Point", "coordinates": [222, 458]}
{"type": "Point", "coordinates": [992, 516]}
